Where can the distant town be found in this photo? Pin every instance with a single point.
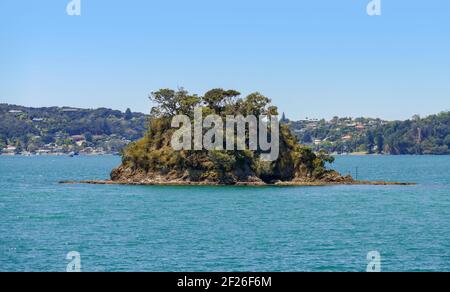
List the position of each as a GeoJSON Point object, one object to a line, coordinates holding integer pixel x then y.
{"type": "Point", "coordinates": [67, 131]}
{"type": "Point", "coordinates": [78, 146]}
{"type": "Point", "coordinates": [73, 131]}
{"type": "Point", "coordinates": [339, 135]}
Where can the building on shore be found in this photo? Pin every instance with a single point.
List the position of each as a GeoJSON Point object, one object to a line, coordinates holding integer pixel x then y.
{"type": "Point", "coordinates": [9, 150]}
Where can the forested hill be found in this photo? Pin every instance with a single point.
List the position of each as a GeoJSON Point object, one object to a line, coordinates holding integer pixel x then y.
{"type": "Point", "coordinates": [430, 135]}
{"type": "Point", "coordinates": [68, 129]}
{"type": "Point", "coordinates": [64, 129]}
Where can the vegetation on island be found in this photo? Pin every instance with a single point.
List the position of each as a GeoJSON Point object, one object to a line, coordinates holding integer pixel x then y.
{"type": "Point", "coordinates": [152, 157]}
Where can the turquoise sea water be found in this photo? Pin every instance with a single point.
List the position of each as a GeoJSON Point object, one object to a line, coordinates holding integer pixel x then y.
{"type": "Point", "coordinates": [132, 228]}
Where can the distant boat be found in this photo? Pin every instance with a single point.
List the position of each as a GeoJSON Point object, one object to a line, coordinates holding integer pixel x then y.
{"type": "Point", "coordinates": [72, 154]}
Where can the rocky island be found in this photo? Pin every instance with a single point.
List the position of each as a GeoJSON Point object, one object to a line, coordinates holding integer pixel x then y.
{"type": "Point", "coordinates": [152, 160]}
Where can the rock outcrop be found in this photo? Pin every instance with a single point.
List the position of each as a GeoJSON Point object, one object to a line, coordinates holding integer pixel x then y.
{"type": "Point", "coordinates": [153, 161]}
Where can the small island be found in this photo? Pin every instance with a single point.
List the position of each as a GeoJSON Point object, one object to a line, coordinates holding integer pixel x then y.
{"type": "Point", "coordinates": [153, 161]}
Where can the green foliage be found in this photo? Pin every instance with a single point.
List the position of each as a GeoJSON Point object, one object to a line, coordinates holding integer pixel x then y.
{"type": "Point", "coordinates": [128, 114]}
{"type": "Point", "coordinates": [223, 163]}
{"type": "Point", "coordinates": [88, 136]}
{"type": "Point", "coordinates": [170, 102]}
{"type": "Point", "coordinates": [416, 136]}
{"type": "Point", "coordinates": [154, 154]}
{"type": "Point", "coordinates": [57, 125]}
{"type": "Point", "coordinates": [447, 140]}
{"type": "Point", "coordinates": [217, 99]}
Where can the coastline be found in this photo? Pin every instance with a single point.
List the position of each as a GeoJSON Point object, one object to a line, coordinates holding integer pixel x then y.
{"type": "Point", "coordinates": [248, 184]}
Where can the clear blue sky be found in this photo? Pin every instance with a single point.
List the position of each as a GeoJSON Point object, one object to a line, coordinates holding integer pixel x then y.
{"type": "Point", "coordinates": [315, 58]}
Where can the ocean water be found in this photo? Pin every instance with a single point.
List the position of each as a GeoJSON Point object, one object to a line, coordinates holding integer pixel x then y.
{"type": "Point", "coordinates": [135, 228]}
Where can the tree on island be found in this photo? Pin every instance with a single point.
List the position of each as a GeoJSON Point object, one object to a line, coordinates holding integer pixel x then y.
{"type": "Point", "coordinates": [284, 120]}
{"type": "Point", "coordinates": [128, 114]}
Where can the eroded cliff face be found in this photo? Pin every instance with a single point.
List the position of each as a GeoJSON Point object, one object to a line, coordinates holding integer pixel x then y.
{"type": "Point", "coordinates": [144, 163]}
{"type": "Point", "coordinates": [125, 175]}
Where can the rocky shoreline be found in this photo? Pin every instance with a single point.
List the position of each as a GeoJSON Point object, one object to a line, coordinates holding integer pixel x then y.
{"type": "Point", "coordinates": [125, 176]}
{"type": "Point", "coordinates": [254, 184]}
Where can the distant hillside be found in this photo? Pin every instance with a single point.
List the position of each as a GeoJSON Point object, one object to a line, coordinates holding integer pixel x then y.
{"type": "Point", "coordinates": [67, 129]}
{"type": "Point", "coordinates": [430, 135]}
{"type": "Point", "coordinates": [57, 130]}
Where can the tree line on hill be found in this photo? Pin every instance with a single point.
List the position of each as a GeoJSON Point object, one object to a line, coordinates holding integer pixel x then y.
{"type": "Point", "coordinates": [416, 136]}
{"type": "Point", "coordinates": [30, 128]}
